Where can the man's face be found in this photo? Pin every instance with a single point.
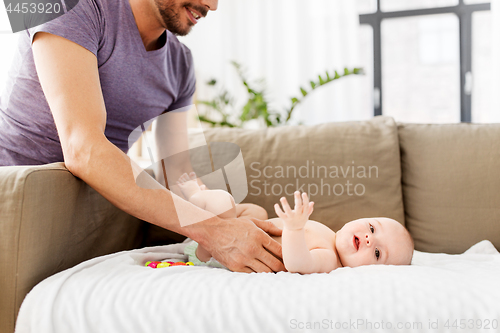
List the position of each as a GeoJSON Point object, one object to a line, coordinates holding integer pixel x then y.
{"type": "Point", "coordinates": [372, 241]}
{"type": "Point", "coordinates": [180, 16]}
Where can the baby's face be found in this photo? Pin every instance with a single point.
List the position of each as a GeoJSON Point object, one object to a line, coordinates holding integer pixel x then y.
{"type": "Point", "coordinates": [373, 241]}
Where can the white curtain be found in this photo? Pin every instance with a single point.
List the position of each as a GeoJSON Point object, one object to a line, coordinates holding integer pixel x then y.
{"type": "Point", "coordinates": [8, 46]}
{"type": "Point", "coordinates": [288, 43]}
{"type": "Point", "coordinates": [495, 98]}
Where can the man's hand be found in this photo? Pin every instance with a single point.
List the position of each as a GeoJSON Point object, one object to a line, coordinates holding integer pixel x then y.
{"type": "Point", "coordinates": [295, 219]}
{"type": "Point", "coordinates": [242, 244]}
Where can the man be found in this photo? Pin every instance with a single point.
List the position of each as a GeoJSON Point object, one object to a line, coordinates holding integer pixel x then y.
{"type": "Point", "coordinates": [85, 80]}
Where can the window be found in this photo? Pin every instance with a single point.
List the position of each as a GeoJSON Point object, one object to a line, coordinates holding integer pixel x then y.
{"type": "Point", "coordinates": [426, 54]}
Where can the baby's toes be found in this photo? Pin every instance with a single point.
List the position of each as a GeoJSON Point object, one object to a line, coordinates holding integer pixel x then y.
{"type": "Point", "coordinates": [184, 178]}
{"type": "Point", "coordinates": [192, 175]}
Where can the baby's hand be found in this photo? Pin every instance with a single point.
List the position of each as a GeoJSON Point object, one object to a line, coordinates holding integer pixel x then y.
{"type": "Point", "coordinates": [295, 219]}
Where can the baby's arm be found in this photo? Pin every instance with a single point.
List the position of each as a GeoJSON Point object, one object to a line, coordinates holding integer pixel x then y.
{"type": "Point", "coordinates": [296, 255]}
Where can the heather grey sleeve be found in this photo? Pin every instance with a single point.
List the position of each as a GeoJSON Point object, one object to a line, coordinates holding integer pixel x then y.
{"type": "Point", "coordinates": [83, 25]}
{"type": "Point", "coordinates": [188, 83]}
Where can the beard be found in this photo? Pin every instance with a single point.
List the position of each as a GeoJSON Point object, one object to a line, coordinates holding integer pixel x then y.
{"type": "Point", "coordinates": [171, 13]}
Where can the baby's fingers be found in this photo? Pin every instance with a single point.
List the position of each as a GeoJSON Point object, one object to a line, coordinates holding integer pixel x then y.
{"type": "Point", "coordinates": [278, 211]}
{"type": "Point", "coordinates": [311, 208]}
{"type": "Point", "coordinates": [286, 206]}
{"type": "Point", "coordinates": [298, 202]}
{"type": "Point", "coordinates": [305, 199]}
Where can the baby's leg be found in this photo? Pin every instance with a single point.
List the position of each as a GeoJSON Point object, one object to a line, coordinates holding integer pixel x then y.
{"type": "Point", "coordinates": [218, 202]}
{"type": "Point", "coordinates": [251, 210]}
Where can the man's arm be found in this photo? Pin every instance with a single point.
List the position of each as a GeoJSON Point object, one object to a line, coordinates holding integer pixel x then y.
{"type": "Point", "coordinates": [69, 77]}
{"type": "Point", "coordinates": [172, 146]}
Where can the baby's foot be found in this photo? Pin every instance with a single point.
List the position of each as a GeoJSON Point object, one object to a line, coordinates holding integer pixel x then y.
{"type": "Point", "coordinates": [188, 185]}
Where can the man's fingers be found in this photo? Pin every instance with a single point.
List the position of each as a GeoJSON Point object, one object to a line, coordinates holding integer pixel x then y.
{"type": "Point", "coordinates": [259, 267]}
{"type": "Point", "coordinates": [268, 227]}
{"type": "Point", "coordinates": [270, 261]}
{"type": "Point", "coordinates": [256, 252]}
{"type": "Point", "coordinates": [273, 247]}
{"type": "Point", "coordinates": [244, 269]}
{"type": "Point", "coordinates": [248, 269]}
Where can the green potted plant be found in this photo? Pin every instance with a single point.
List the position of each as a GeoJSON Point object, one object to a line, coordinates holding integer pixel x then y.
{"type": "Point", "coordinates": [257, 107]}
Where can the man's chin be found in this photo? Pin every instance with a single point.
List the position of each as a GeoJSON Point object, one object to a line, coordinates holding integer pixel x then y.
{"type": "Point", "coordinates": [176, 27]}
{"type": "Point", "coordinates": [180, 32]}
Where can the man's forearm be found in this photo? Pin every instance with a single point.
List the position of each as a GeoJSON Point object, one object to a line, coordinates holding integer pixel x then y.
{"type": "Point", "coordinates": [109, 171]}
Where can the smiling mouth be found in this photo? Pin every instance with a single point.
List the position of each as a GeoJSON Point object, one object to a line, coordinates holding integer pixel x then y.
{"type": "Point", "coordinates": [193, 16]}
{"type": "Point", "coordinates": [355, 242]}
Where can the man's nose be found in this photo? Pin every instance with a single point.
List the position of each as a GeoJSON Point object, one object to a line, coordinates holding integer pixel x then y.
{"type": "Point", "coordinates": [210, 4]}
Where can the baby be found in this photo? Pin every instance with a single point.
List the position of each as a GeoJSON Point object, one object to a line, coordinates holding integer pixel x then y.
{"type": "Point", "coordinates": [309, 246]}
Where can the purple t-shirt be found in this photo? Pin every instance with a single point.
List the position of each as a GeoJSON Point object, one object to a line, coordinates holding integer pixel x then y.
{"type": "Point", "coordinates": [137, 85]}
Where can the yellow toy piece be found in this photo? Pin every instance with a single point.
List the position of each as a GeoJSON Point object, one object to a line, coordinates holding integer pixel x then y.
{"type": "Point", "coordinates": [163, 264]}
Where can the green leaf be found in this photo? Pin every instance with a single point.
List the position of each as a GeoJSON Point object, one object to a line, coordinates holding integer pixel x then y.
{"type": "Point", "coordinates": [346, 71]}
{"type": "Point", "coordinates": [337, 76]}
{"type": "Point", "coordinates": [321, 81]}
{"type": "Point", "coordinates": [358, 71]}
{"type": "Point", "coordinates": [328, 78]}
{"type": "Point", "coordinates": [206, 120]}
{"type": "Point", "coordinates": [212, 82]}
{"type": "Point", "coordinates": [304, 93]}
{"type": "Point", "coordinates": [313, 85]}
{"type": "Point", "coordinates": [236, 64]}
{"type": "Point", "coordinates": [295, 100]}
{"type": "Point", "coordinates": [227, 124]}
{"type": "Point", "coordinates": [211, 104]}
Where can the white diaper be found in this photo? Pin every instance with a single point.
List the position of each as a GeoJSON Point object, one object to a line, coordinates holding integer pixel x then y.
{"type": "Point", "coordinates": [190, 251]}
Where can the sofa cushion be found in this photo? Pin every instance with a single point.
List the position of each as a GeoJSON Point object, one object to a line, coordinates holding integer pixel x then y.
{"type": "Point", "coordinates": [350, 169]}
{"type": "Point", "coordinates": [451, 185]}
{"type": "Point", "coordinates": [51, 221]}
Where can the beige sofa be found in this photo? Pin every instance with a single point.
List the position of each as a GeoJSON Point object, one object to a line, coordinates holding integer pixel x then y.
{"type": "Point", "coordinates": [440, 181]}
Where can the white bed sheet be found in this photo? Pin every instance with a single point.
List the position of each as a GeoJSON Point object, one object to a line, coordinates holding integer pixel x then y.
{"type": "Point", "coordinates": [116, 293]}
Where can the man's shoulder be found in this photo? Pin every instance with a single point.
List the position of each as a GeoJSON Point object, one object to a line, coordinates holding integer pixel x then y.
{"type": "Point", "coordinates": [176, 45]}
{"type": "Point", "coordinates": [178, 51]}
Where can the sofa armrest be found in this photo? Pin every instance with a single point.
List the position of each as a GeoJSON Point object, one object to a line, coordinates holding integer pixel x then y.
{"type": "Point", "coordinates": [51, 221]}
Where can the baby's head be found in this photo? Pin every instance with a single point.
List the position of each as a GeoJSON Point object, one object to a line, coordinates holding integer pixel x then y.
{"type": "Point", "coordinates": [369, 241]}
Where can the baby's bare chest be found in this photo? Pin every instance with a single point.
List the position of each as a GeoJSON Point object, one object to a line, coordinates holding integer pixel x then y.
{"type": "Point", "coordinates": [317, 235]}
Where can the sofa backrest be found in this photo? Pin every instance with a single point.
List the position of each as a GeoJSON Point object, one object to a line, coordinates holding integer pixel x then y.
{"type": "Point", "coordinates": [451, 184]}
{"type": "Point", "coordinates": [351, 170]}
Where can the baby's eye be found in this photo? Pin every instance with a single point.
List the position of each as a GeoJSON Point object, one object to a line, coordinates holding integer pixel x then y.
{"type": "Point", "coordinates": [372, 229]}
{"type": "Point", "coordinates": [377, 253]}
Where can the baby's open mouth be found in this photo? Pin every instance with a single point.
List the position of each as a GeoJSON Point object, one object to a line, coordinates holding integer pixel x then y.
{"type": "Point", "coordinates": [355, 241]}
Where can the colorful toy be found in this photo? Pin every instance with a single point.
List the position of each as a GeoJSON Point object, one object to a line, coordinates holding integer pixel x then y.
{"type": "Point", "coordinates": [161, 264]}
